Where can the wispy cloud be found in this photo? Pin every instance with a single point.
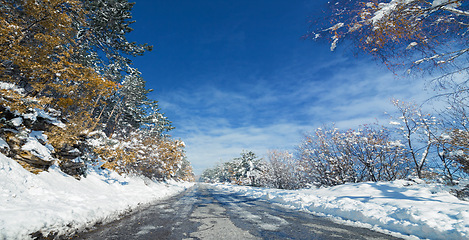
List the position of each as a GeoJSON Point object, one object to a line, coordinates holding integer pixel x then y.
{"type": "Point", "coordinates": [272, 111]}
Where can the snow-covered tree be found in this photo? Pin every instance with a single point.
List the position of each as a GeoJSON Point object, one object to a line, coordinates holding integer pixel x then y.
{"type": "Point", "coordinates": [220, 173]}
{"type": "Point", "coordinates": [376, 155]}
{"type": "Point", "coordinates": [136, 153]}
{"type": "Point", "coordinates": [452, 155]}
{"type": "Point", "coordinates": [426, 31]}
{"type": "Point", "coordinates": [103, 39]}
{"type": "Point", "coordinates": [283, 171]}
{"type": "Point", "coordinates": [37, 43]}
{"type": "Point", "coordinates": [452, 143]}
{"type": "Point", "coordinates": [420, 36]}
{"type": "Point", "coordinates": [244, 170]}
{"type": "Point", "coordinates": [130, 109]}
{"type": "Point", "coordinates": [185, 172]}
{"type": "Point", "coordinates": [331, 157]}
{"type": "Point", "coordinates": [71, 57]}
{"type": "Point", "coordinates": [417, 129]}
{"type": "Point", "coordinates": [324, 159]}
{"type": "Point", "coordinates": [249, 168]}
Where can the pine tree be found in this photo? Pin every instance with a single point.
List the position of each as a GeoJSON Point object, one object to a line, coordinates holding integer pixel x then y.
{"type": "Point", "coordinates": [103, 39]}
{"type": "Point", "coordinates": [130, 109]}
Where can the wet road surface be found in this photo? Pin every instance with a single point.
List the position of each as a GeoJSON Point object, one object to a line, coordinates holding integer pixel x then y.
{"type": "Point", "coordinates": [203, 212]}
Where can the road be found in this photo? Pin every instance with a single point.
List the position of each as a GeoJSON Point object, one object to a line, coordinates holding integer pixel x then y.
{"type": "Point", "coordinates": [203, 212]}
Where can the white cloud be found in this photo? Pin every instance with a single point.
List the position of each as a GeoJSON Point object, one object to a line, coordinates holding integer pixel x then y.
{"type": "Point", "coordinates": [268, 113]}
{"type": "Point", "coordinates": [205, 148]}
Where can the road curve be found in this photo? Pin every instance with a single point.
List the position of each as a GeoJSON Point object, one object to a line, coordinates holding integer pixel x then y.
{"type": "Point", "coordinates": [203, 212]}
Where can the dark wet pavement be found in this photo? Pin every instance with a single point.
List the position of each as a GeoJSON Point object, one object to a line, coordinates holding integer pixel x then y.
{"type": "Point", "coordinates": [204, 212]}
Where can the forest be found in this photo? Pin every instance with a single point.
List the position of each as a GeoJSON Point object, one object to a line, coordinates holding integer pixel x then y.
{"type": "Point", "coordinates": [71, 97]}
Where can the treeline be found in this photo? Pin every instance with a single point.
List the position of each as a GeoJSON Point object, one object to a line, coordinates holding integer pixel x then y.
{"type": "Point", "coordinates": [71, 61]}
{"type": "Point", "coordinates": [413, 145]}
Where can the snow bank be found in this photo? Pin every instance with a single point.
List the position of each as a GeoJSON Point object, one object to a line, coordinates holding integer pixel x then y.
{"type": "Point", "coordinates": [406, 208]}
{"type": "Point", "coordinates": [54, 201]}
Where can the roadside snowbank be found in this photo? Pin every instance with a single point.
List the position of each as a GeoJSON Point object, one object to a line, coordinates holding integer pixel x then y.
{"type": "Point", "coordinates": [54, 201]}
{"type": "Point", "coordinates": [403, 207]}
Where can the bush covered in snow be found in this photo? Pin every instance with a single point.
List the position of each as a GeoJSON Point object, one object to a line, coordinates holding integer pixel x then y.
{"type": "Point", "coordinates": [247, 169]}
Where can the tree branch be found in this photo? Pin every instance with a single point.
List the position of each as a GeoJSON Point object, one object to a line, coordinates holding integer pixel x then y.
{"type": "Point", "coordinates": [456, 11]}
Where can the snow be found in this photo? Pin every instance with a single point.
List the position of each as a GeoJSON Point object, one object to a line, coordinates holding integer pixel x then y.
{"type": "Point", "coordinates": [405, 209]}
{"type": "Point", "coordinates": [11, 86]}
{"type": "Point", "coordinates": [33, 144]}
{"type": "Point", "coordinates": [42, 114]}
{"type": "Point", "coordinates": [4, 144]}
{"type": "Point", "coordinates": [438, 2]}
{"type": "Point", "coordinates": [54, 201]}
{"type": "Point", "coordinates": [386, 8]}
{"type": "Point", "coordinates": [396, 143]}
{"type": "Point", "coordinates": [446, 3]}
{"type": "Point", "coordinates": [16, 121]}
{"type": "Point", "coordinates": [334, 43]}
{"type": "Point", "coordinates": [411, 45]}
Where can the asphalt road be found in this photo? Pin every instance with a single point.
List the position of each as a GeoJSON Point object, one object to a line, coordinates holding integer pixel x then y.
{"type": "Point", "coordinates": [203, 212]}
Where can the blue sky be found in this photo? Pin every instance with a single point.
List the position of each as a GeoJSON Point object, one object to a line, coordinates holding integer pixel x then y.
{"type": "Point", "coordinates": [236, 75]}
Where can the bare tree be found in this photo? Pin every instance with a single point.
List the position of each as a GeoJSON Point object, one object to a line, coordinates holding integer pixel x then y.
{"type": "Point", "coordinates": [417, 130]}
{"type": "Point", "coordinates": [376, 155]}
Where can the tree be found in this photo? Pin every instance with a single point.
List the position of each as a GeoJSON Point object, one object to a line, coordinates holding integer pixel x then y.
{"type": "Point", "coordinates": [414, 35]}
{"type": "Point", "coordinates": [333, 157]}
{"type": "Point", "coordinates": [244, 170]}
{"type": "Point", "coordinates": [103, 41]}
{"type": "Point", "coordinates": [418, 130]}
{"type": "Point", "coordinates": [220, 173]}
{"type": "Point", "coordinates": [453, 154]}
{"type": "Point", "coordinates": [283, 171]}
{"type": "Point", "coordinates": [376, 155]}
{"type": "Point", "coordinates": [130, 109]}
{"type": "Point", "coordinates": [431, 32]}
{"type": "Point", "coordinates": [324, 159]}
{"type": "Point", "coordinates": [248, 168]}
{"type": "Point", "coordinates": [185, 172]}
{"type": "Point", "coordinates": [36, 45]}
{"type": "Point", "coordinates": [73, 56]}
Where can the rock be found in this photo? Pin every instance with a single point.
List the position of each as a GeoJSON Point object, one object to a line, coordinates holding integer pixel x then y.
{"type": "Point", "coordinates": [41, 124]}
{"type": "Point", "coordinates": [13, 140]}
{"type": "Point", "coordinates": [34, 160]}
{"type": "Point", "coordinates": [73, 168]}
{"type": "Point", "coordinates": [22, 138]}
{"type": "Point", "coordinates": [68, 153]}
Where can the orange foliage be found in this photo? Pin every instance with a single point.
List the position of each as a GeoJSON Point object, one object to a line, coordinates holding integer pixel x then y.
{"type": "Point", "coordinates": [160, 158]}
{"type": "Point", "coordinates": [392, 30]}
{"type": "Point", "coordinates": [36, 45]}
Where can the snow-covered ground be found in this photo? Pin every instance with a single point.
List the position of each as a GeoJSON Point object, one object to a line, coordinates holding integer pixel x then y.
{"type": "Point", "coordinates": [54, 201]}
{"type": "Point", "coordinates": [403, 208]}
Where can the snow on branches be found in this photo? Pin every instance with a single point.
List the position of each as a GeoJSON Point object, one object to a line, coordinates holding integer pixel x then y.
{"type": "Point", "coordinates": [333, 157]}
{"type": "Point", "coordinates": [427, 31]}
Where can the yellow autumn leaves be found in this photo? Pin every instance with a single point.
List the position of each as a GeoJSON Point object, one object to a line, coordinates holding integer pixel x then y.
{"type": "Point", "coordinates": [40, 53]}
